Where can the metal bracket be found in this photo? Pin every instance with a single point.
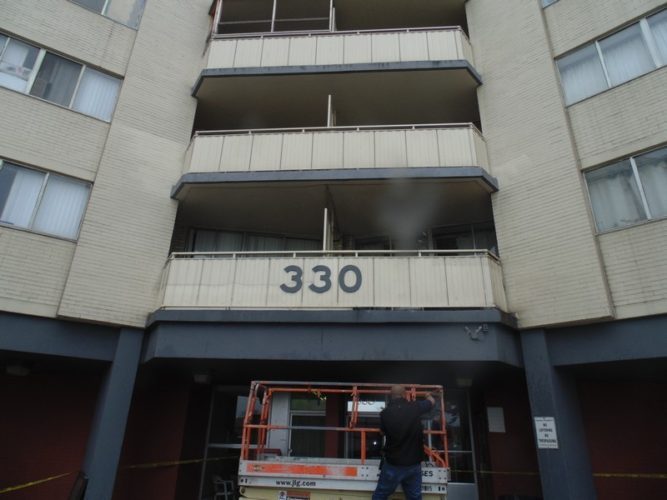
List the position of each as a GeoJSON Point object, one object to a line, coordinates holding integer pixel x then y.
{"type": "Point", "coordinates": [477, 333]}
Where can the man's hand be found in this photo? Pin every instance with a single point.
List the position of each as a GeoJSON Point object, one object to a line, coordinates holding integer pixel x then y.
{"type": "Point", "coordinates": [430, 396]}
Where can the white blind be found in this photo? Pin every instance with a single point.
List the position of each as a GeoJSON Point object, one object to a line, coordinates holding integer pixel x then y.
{"type": "Point", "coordinates": [658, 24]}
{"type": "Point", "coordinates": [581, 74]}
{"type": "Point", "coordinates": [626, 55]}
{"type": "Point", "coordinates": [652, 169]}
{"type": "Point", "coordinates": [16, 65]}
{"type": "Point", "coordinates": [615, 196]}
{"type": "Point", "coordinates": [62, 207]}
{"type": "Point", "coordinates": [97, 94]}
{"type": "Point", "coordinates": [22, 196]}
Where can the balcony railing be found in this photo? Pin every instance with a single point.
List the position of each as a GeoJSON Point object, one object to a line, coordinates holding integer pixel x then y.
{"type": "Point", "coordinates": [334, 280]}
{"type": "Point", "coordinates": [339, 47]}
{"type": "Point", "coordinates": [431, 145]}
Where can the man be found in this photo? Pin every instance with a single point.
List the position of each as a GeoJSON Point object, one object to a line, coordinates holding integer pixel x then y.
{"type": "Point", "coordinates": [400, 422]}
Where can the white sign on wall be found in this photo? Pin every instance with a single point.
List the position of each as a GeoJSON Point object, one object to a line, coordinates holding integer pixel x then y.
{"type": "Point", "coordinates": [545, 432]}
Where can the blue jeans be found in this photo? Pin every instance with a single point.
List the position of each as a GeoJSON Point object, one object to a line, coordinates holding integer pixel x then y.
{"type": "Point", "coordinates": [408, 476]}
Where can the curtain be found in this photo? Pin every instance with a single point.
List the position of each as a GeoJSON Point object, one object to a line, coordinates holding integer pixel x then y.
{"type": "Point", "coordinates": [652, 168]}
{"type": "Point", "coordinates": [62, 207]}
{"type": "Point", "coordinates": [257, 243]}
{"type": "Point", "coordinates": [21, 197]}
{"type": "Point", "coordinates": [97, 94]}
{"type": "Point", "coordinates": [16, 65]}
{"type": "Point", "coordinates": [626, 55]}
{"type": "Point", "coordinates": [299, 244]}
{"type": "Point", "coordinates": [582, 74]}
{"type": "Point", "coordinates": [56, 80]}
{"type": "Point", "coordinates": [127, 12]}
{"type": "Point", "coordinates": [658, 24]}
{"type": "Point", "coordinates": [217, 241]}
{"type": "Point", "coordinates": [615, 196]}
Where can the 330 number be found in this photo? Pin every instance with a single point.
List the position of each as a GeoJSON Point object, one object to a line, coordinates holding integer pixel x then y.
{"type": "Point", "coordinates": [349, 279]}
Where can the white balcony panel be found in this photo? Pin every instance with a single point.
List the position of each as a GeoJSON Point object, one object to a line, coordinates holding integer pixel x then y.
{"type": "Point", "coordinates": [359, 150]}
{"type": "Point", "coordinates": [330, 50]}
{"type": "Point", "coordinates": [302, 51]}
{"type": "Point", "coordinates": [422, 148]}
{"type": "Point", "coordinates": [297, 152]}
{"type": "Point", "coordinates": [341, 48]}
{"type": "Point", "coordinates": [390, 148]}
{"type": "Point", "coordinates": [335, 148]}
{"type": "Point", "coordinates": [328, 150]}
{"type": "Point", "coordinates": [414, 46]}
{"type": "Point", "coordinates": [266, 152]}
{"type": "Point", "coordinates": [236, 151]}
{"type": "Point", "coordinates": [254, 281]}
{"type": "Point", "coordinates": [385, 48]}
{"type": "Point", "coordinates": [249, 52]}
{"type": "Point", "coordinates": [277, 53]}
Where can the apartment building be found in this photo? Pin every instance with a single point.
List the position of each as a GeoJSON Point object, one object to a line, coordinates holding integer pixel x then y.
{"type": "Point", "coordinates": [194, 195]}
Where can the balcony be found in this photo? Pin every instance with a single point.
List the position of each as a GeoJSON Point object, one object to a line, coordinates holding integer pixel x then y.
{"type": "Point", "coordinates": [340, 48]}
{"type": "Point", "coordinates": [334, 280]}
{"type": "Point", "coordinates": [277, 80]}
{"type": "Point", "coordinates": [458, 147]}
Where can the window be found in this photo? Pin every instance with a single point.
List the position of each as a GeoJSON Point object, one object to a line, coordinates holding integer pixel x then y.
{"type": "Point", "coordinates": [616, 59]}
{"type": "Point", "coordinates": [44, 202]}
{"type": "Point", "coordinates": [35, 71]}
{"type": "Point", "coordinates": [17, 60]}
{"type": "Point", "coordinates": [546, 3]}
{"type": "Point", "coordinates": [630, 191]}
{"type": "Point", "coordinates": [127, 12]}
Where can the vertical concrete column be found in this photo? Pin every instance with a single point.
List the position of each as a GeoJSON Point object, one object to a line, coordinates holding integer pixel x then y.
{"type": "Point", "coordinates": [565, 472]}
{"type": "Point", "coordinates": [113, 405]}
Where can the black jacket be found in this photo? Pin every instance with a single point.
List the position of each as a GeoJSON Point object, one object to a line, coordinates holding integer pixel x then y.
{"type": "Point", "coordinates": [400, 422]}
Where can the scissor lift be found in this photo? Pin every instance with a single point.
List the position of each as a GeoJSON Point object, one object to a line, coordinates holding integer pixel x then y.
{"type": "Point", "coordinates": [266, 473]}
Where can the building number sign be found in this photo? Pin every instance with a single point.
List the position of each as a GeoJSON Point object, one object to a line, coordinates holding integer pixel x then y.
{"type": "Point", "coordinates": [349, 279]}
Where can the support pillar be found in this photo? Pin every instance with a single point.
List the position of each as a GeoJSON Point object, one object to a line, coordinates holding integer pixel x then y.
{"type": "Point", "coordinates": [113, 405]}
{"type": "Point", "coordinates": [565, 472]}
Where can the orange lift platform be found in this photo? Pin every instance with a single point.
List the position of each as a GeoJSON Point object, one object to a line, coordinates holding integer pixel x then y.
{"type": "Point", "coordinates": [322, 441]}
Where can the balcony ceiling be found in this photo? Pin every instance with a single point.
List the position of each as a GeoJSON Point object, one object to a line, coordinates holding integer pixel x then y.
{"type": "Point", "coordinates": [360, 98]}
{"type": "Point", "coordinates": [362, 208]}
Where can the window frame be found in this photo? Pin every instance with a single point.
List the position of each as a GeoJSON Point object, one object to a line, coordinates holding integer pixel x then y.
{"type": "Point", "coordinates": [37, 66]}
{"type": "Point", "coordinates": [47, 174]}
{"type": "Point", "coordinates": [648, 39]}
{"type": "Point", "coordinates": [640, 187]}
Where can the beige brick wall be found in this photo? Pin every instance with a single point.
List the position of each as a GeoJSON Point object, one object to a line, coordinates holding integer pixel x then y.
{"type": "Point", "coordinates": [621, 121]}
{"type": "Point", "coordinates": [574, 22]}
{"type": "Point", "coordinates": [126, 233]}
{"type": "Point", "coordinates": [33, 270]}
{"type": "Point", "coordinates": [67, 28]}
{"type": "Point", "coordinates": [551, 264]}
{"type": "Point", "coordinates": [636, 263]}
{"type": "Point", "coordinates": [44, 135]}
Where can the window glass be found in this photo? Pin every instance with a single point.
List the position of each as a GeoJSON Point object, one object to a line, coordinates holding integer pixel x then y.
{"type": "Point", "coordinates": [652, 168]}
{"type": "Point", "coordinates": [615, 196]}
{"type": "Point", "coordinates": [581, 74]}
{"type": "Point", "coordinates": [56, 79]}
{"type": "Point", "coordinates": [658, 24]}
{"type": "Point", "coordinates": [19, 192]}
{"type": "Point", "coordinates": [61, 207]}
{"type": "Point", "coordinates": [127, 12]}
{"type": "Point", "coordinates": [626, 55]}
{"type": "Point", "coordinates": [97, 94]}
{"type": "Point", "coordinates": [16, 63]}
{"type": "Point", "coordinates": [96, 5]}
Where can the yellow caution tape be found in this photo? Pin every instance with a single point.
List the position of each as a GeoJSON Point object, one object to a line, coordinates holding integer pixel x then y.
{"type": "Point", "coordinates": [33, 483]}
{"type": "Point", "coordinates": [154, 465]}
